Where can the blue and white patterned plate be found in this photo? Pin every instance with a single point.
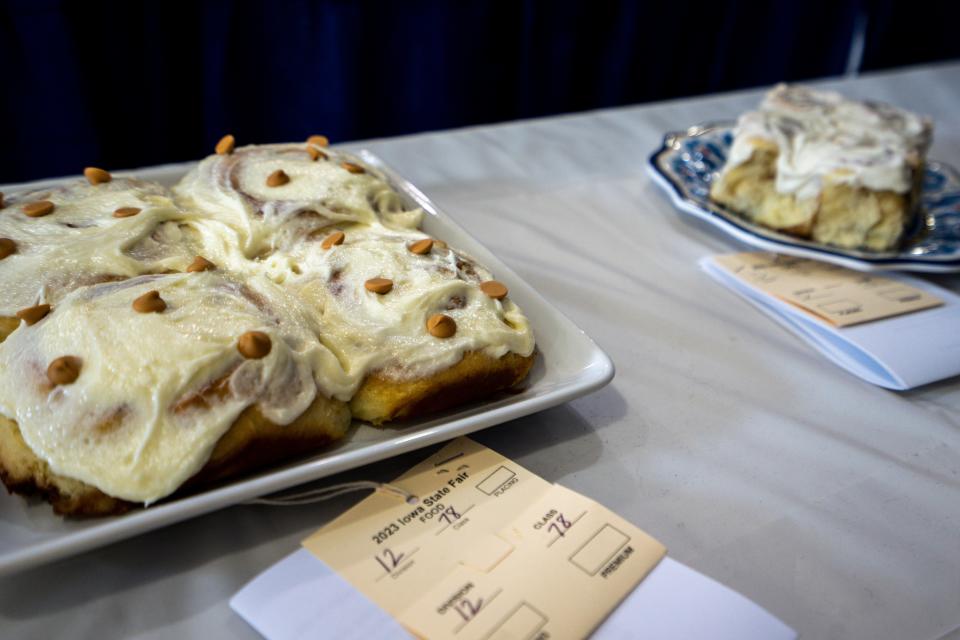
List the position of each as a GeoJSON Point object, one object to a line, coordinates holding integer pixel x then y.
{"type": "Point", "coordinates": [690, 160]}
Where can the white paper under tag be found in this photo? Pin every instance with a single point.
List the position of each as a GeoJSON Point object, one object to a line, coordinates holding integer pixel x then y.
{"type": "Point", "coordinates": [899, 352]}
{"type": "Point", "coordinates": [491, 550]}
{"type": "Point", "coordinates": [843, 297]}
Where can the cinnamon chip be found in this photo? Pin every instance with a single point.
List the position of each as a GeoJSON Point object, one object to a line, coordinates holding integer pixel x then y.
{"type": "Point", "coordinates": [64, 370]}
{"type": "Point", "coordinates": [319, 141]}
{"type": "Point", "coordinates": [421, 247]}
{"type": "Point", "coordinates": [379, 285]}
{"type": "Point", "coordinates": [7, 247]}
{"type": "Point", "coordinates": [353, 168]}
{"type": "Point", "coordinates": [126, 212]}
{"type": "Point", "coordinates": [316, 154]}
{"type": "Point", "coordinates": [495, 289]}
{"type": "Point", "coordinates": [150, 302]}
{"type": "Point", "coordinates": [201, 264]}
{"type": "Point", "coordinates": [96, 176]}
{"type": "Point", "coordinates": [278, 178]}
{"type": "Point", "coordinates": [441, 326]}
{"type": "Point", "coordinates": [225, 146]}
{"type": "Point", "coordinates": [337, 237]}
{"type": "Point", "coordinates": [33, 315]}
{"type": "Point", "coordinates": [254, 345]}
{"type": "Point", "coordinates": [39, 208]}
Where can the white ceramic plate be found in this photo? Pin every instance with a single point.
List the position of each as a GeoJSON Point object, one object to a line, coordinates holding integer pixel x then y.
{"type": "Point", "coordinates": [688, 162]}
{"type": "Point", "coordinates": [569, 365]}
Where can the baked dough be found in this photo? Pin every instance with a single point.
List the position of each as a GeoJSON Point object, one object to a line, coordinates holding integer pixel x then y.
{"type": "Point", "coordinates": [197, 337]}
{"type": "Point", "coordinates": [252, 442]}
{"type": "Point", "coordinates": [816, 165]}
{"type": "Point", "coordinates": [380, 337]}
{"type": "Point", "coordinates": [155, 391]}
{"type": "Point", "coordinates": [477, 375]}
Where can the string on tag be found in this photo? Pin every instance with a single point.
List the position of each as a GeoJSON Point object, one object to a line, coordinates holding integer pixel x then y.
{"type": "Point", "coordinates": [310, 496]}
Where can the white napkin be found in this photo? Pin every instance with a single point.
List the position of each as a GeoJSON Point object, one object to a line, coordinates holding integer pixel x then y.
{"type": "Point", "coordinates": [300, 598]}
{"type": "Point", "coordinates": [899, 353]}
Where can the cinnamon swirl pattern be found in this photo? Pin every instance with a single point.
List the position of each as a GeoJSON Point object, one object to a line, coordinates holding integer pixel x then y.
{"type": "Point", "coordinates": [153, 390]}
{"type": "Point", "coordinates": [237, 189]}
{"type": "Point", "coordinates": [155, 339]}
{"type": "Point", "coordinates": [81, 239]}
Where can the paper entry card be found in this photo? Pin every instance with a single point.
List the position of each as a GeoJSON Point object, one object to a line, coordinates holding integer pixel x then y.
{"type": "Point", "coordinates": [489, 550]}
{"type": "Point", "coordinates": [843, 297]}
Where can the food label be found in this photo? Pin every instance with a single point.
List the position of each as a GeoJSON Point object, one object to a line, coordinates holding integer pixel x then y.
{"type": "Point", "coordinates": [842, 297]}
{"type": "Point", "coordinates": [488, 550]}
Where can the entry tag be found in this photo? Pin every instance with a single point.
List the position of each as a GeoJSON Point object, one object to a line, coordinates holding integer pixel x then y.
{"type": "Point", "coordinates": [843, 297]}
{"type": "Point", "coordinates": [490, 550]}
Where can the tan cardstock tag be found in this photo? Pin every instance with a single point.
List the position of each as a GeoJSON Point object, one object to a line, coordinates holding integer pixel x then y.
{"type": "Point", "coordinates": [843, 297]}
{"type": "Point", "coordinates": [490, 550]}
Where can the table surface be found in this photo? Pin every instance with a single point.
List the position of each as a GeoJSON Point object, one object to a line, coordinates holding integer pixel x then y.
{"type": "Point", "coordinates": [832, 503]}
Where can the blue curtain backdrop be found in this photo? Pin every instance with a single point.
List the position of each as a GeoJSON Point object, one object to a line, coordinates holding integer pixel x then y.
{"type": "Point", "coordinates": [126, 84]}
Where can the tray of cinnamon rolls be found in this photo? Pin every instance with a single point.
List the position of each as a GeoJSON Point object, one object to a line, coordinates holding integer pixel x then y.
{"type": "Point", "coordinates": [190, 336]}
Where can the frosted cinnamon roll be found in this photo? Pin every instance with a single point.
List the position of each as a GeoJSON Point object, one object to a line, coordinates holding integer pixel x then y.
{"type": "Point", "coordinates": [164, 343]}
{"type": "Point", "coordinates": [55, 240]}
{"type": "Point", "coordinates": [816, 165]}
{"type": "Point", "coordinates": [127, 390]}
{"type": "Point", "coordinates": [378, 295]}
{"type": "Point", "coordinates": [275, 194]}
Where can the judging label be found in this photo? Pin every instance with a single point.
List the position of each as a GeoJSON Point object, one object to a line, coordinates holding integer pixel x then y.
{"type": "Point", "coordinates": [840, 296]}
{"type": "Point", "coordinates": [489, 550]}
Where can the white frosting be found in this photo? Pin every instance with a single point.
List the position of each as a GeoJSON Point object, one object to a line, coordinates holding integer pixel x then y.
{"type": "Point", "coordinates": [387, 333]}
{"type": "Point", "coordinates": [822, 137]}
{"type": "Point", "coordinates": [123, 426]}
{"type": "Point", "coordinates": [233, 189]}
{"type": "Point", "coordinates": [81, 242]}
{"type": "Point", "coordinates": [126, 425]}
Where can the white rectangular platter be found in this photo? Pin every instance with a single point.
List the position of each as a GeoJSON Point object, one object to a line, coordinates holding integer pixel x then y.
{"type": "Point", "coordinates": [569, 365]}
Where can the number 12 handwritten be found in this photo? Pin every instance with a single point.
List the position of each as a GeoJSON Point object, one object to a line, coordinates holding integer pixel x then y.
{"type": "Point", "coordinates": [389, 560]}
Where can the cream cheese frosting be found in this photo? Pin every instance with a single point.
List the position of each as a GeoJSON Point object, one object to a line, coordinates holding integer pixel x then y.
{"type": "Point", "coordinates": [127, 425]}
{"type": "Point", "coordinates": [233, 188]}
{"type": "Point", "coordinates": [386, 332]}
{"type": "Point", "coordinates": [81, 242]}
{"type": "Point", "coordinates": [822, 137]}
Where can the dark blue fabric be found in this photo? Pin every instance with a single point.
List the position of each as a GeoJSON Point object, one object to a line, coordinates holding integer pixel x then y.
{"type": "Point", "coordinates": [125, 84]}
{"type": "Point", "coordinates": [902, 33]}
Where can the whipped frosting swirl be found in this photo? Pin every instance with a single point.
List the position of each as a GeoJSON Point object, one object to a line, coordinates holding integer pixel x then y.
{"type": "Point", "coordinates": [81, 242]}
{"type": "Point", "coordinates": [386, 333]}
{"type": "Point", "coordinates": [233, 188]}
{"type": "Point", "coordinates": [823, 137]}
{"type": "Point", "coordinates": [156, 391]}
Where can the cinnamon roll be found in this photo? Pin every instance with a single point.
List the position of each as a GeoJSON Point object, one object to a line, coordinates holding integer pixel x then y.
{"type": "Point", "coordinates": [236, 188]}
{"type": "Point", "coordinates": [79, 234]}
{"type": "Point", "coordinates": [158, 341]}
{"type": "Point", "coordinates": [121, 402]}
{"type": "Point", "coordinates": [816, 165]}
{"type": "Point", "coordinates": [382, 332]}
{"type": "Point", "coordinates": [326, 227]}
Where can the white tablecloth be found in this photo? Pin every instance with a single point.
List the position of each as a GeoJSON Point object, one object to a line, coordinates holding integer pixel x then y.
{"type": "Point", "coordinates": [832, 503]}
